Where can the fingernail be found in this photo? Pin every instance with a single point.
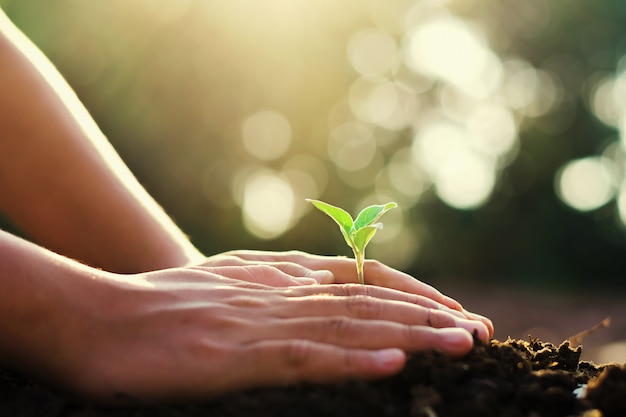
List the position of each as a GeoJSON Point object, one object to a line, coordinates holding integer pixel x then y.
{"type": "Point", "coordinates": [474, 326]}
{"type": "Point", "coordinates": [487, 322]}
{"type": "Point", "coordinates": [390, 359]}
{"type": "Point", "coordinates": [457, 337]}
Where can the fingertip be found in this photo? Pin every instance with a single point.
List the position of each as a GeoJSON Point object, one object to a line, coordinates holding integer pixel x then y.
{"type": "Point", "coordinates": [456, 341]}
{"type": "Point", "coordinates": [476, 326]}
{"type": "Point", "coordinates": [487, 322]}
{"type": "Point", "coordinates": [389, 360]}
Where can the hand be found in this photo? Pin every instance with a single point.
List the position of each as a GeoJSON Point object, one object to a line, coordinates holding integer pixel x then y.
{"type": "Point", "coordinates": [190, 333]}
{"type": "Point", "coordinates": [299, 268]}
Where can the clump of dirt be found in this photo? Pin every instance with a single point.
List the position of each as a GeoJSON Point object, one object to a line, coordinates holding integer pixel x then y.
{"type": "Point", "coordinates": [505, 379]}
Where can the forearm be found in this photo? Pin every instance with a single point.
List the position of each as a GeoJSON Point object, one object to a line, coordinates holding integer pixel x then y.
{"type": "Point", "coordinates": [39, 293]}
{"type": "Point", "coordinates": [60, 180]}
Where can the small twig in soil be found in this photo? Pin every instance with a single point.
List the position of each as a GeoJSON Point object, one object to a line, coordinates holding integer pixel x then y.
{"type": "Point", "coordinates": [578, 337]}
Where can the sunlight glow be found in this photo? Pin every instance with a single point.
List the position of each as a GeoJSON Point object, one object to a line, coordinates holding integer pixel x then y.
{"type": "Point", "coordinates": [308, 178]}
{"type": "Point", "coordinates": [166, 11]}
{"type": "Point", "coordinates": [372, 52]}
{"type": "Point", "coordinates": [608, 99]}
{"type": "Point", "coordinates": [313, 168]}
{"type": "Point", "coordinates": [352, 146]}
{"type": "Point", "coordinates": [435, 144]}
{"type": "Point", "coordinates": [586, 184]}
{"type": "Point", "coordinates": [462, 177]}
{"type": "Point", "coordinates": [520, 85]}
{"type": "Point", "coordinates": [268, 205]}
{"type": "Point", "coordinates": [492, 129]}
{"type": "Point", "coordinates": [401, 253]}
{"type": "Point", "coordinates": [406, 178]}
{"type": "Point", "coordinates": [266, 135]}
{"type": "Point", "coordinates": [549, 95]}
{"type": "Point", "coordinates": [383, 102]}
{"type": "Point", "coordinates": [446, 47]}
{"type": "Point", "coordinates": [465, 181]}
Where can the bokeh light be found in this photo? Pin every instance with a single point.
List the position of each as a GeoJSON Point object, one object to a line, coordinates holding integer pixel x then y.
{"type": "Point", "coordinates": [446, 47]}
{"type": "Point", "coordinates": [268, 204]}
{"type": "Point", "coordinates": [372, 52]}
{"type": "Point", "coordinates": [266, 134]}
{"type": "Point", "coordinates": [352, 146]}
{"type": "Point", "coordinates": [465, 180]}
{"type": "Point", "coordinates": [586, 184]}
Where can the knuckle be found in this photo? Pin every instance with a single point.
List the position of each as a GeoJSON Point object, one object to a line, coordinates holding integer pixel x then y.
{"type": "Point", "coordinates": [365, 307]}
{"type": "Point", "coordinates": [292, 268]}
{"type": "Point", "coordinates": [352, 290]}
{"type": "Point", "coordinates": [298, 352]}
{"type": "Point", "coordinates": [439, 319]}
{"type": "Point", "coordinates": [246, 301]}
{"type": "Point", "coordinates": [373, 264]}
{"type": "Point", "coordinates": [413, 335]}
{"type": "Point", "coordinates": [338, 326]}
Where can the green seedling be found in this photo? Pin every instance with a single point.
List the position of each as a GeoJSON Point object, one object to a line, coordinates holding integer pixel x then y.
{"type": "Point", "coordinates": [357, 232]}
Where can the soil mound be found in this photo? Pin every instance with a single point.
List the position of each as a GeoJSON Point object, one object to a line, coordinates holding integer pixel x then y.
{"type": "Point", "coordinates": [505, 379]}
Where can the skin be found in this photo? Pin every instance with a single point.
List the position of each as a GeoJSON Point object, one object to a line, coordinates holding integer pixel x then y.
{"type": "Point", "coordinates": [115, 305]}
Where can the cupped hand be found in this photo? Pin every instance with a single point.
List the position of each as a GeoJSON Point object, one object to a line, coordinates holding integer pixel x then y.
{"type": "Point", "coordinates": [190, 333]}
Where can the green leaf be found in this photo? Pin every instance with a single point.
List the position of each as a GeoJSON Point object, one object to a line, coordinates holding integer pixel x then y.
{"type": "Point", "coordinates": [359, 232]}
{"type": "Point", "coordinates": [371, 214]}
{"type": "Point", "coordinates": [363, 236]}
{"type": "Point", "coordinates": [340, 216]}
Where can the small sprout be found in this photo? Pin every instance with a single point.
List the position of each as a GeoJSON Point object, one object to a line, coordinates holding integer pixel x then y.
{"type": "Point", "coordinates": [357, 232]}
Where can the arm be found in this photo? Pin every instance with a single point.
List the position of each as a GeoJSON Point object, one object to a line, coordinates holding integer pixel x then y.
{"type": "Point", "coordinates": [60, 180]}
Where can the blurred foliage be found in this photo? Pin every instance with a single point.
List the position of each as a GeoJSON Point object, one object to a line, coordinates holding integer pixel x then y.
{"type": "Point", "coordinates": [171, 83]}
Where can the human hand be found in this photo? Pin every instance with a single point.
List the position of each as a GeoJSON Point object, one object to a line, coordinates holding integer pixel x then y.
{"type": "Point", "coordinates": [299, 267]}
{"type": "Point", "coordinates": [190, 333]}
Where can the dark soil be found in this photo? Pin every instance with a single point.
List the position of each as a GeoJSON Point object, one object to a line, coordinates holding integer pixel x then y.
{"type": "Point", "coordinates": [504, 379]}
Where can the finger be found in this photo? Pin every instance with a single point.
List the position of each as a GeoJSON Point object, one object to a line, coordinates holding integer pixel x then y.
{"type": "Point", "coordinates": [322, 276]}
{"type": "Point", "coordinates": [395, 306]}
{"type": "Point", "coordinates": [487, 322]}
{"type": "Point", "coordinates": [291, 361]}
{"type": "Point", "coordinates": [349, 290]}
{"type": "Point", "coordinates": [260, 274]}
{"type": "Point", "coordinates": [285, 362]}
{"type": "Point", "coordinates": [370, 334]}
{"type": "Point", "coordinates": [306, 281]}
{"type": "Point", "coordinates": [289, 268]}
{"type": "Point", "coordinates": [381, 275]}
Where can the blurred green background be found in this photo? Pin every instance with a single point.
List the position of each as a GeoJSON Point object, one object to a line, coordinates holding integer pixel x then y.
{"type": "Point", "coordinates": [497, 125]}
